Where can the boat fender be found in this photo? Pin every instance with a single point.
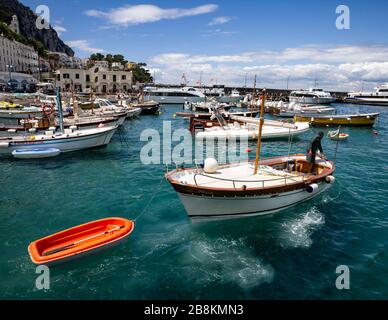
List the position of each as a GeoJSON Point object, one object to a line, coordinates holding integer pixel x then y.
{"type": "Point", "coordinates": [312, 188]}
{"type": "Point", "coordinates": [211, 165]}
{"type": "Point", "coordinates": [330, 179]}
{"type": "Point", "coordinates": [244, 187]}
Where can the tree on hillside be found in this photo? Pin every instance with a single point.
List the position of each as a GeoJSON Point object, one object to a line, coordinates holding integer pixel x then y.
{"type": "Point", "coordinates": [97, 57]}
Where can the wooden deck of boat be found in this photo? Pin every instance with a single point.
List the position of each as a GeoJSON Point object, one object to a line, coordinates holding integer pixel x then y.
{"type": "Point", "coordinates": [236, 177]}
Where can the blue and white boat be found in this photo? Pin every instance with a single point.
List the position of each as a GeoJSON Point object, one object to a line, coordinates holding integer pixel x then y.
{"type": "Point", "coordinates": [66, 141]}
{"type": "Point", "coordinates": [36, 153]}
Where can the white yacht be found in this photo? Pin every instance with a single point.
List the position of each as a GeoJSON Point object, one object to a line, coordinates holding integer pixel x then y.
{"type": "Point", "coordinates": [311, 96]}
{"type": "Point", "coordinates": [379, 97]}
{"type": "Point", "coordinates": [173, 95]}
{"type": "Point", "coordinates": [234, 97]}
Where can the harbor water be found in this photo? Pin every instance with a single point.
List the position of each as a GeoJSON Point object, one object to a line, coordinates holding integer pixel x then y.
{"type": "Point", "coordinates": [289, 255]}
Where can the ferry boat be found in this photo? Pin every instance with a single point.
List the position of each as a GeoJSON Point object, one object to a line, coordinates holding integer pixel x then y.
{"type": "Point", "coordinates": [379, 97]}
{"type": "Point", "coordinates": [311, 96]}
{"type": "Point", "coordinates": [173, 95]}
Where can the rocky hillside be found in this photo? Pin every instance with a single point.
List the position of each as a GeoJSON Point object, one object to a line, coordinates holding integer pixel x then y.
{"type": "Point", "coordinates": [27, 17]}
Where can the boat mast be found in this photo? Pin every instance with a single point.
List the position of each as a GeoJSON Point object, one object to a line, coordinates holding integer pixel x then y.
{"type": "Point", "coordinates": [260, 131]}
{"type": "Point", "coordinates": [60, 113]}
{"type": "Point", "coordinates": [75, 104]}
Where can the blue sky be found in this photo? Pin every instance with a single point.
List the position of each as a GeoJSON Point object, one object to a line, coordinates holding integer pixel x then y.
{"type": "Point", "coordinates": [226, 40]}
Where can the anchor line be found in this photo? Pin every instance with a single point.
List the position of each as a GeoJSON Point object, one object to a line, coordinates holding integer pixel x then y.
{"type": "Point", "coordinates": [151, 199]}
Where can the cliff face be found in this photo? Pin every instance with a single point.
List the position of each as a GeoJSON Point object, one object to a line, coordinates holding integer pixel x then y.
{"type": "Point", "coordinates": [27, 18]}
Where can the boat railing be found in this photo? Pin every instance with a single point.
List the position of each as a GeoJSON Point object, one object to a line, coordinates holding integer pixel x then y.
{"type": "Point", "coordinates": [233, 181]}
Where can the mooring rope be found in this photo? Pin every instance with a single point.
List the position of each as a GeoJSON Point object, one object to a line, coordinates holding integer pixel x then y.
{"type": "Point", "coordinates": [151, 199]}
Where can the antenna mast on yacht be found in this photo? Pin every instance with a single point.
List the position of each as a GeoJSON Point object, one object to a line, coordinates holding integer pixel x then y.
{"type": "Point", "coordinates": [254, 92]}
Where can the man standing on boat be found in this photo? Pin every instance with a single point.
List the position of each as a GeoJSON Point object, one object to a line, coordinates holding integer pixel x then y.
{"type": "Point", "coordinates": [315, 146]}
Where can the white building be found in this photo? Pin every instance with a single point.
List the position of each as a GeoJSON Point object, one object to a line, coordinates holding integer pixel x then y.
{"type": "Point", "coordinates": [16, 56]}
{"type": "Point", "coordinates": [102, 64]}
{"type": "Point", "coordinates": [66, 61]}
{"type": "Point", "coordinates": [117, 66]}
{"type": "Point", "coordinates": [97, 78]}
{"type": "Point", "coordinates": [14, 25]}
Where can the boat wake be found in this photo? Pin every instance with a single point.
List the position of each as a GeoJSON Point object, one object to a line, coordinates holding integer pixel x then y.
{"type": "Point", "coordinates": [296, 233]}
{"type": "Point", "coordinates": [231, 261]}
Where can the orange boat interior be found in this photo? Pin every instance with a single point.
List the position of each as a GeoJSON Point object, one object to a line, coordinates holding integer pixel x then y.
{"type": "Point", "coordinates": [80, 238]}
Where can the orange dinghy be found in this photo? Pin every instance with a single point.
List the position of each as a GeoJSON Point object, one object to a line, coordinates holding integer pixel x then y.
{"type": "Point", "coordinates": [80, 240]}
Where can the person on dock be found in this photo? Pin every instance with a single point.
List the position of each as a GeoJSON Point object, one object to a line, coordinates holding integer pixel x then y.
{"type": "Point", "coordinates": [314, 146]}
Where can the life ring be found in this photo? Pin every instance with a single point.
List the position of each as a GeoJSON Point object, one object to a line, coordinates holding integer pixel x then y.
{"type": "Point", "coordinates": [47, 109]}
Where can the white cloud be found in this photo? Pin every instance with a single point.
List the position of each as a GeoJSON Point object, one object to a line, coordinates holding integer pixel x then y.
{"type": "Point", "coordinates": [145, 13]}
{"type": "Point", "coordinates": [219, 20]}
{"type": "Point", "coordinates": [83, 45]}
{"type": "Point", "coordinates": [59, 29]}
{"type": "Point", "coordinates": [335, 68]}
{"type": "Point", "coordinates": [218, 32]}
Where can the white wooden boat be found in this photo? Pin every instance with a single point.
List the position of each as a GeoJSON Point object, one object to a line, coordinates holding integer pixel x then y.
{"type": "Point", "coordinates": [250, 131]}
{"type": "Point", "coordinates": [291, 109]}
{"type": "Point", "coordinates": [37, 153]}
{"type": "Point", "coordinates": [69, 140]}
{"type": "Point", "coordinates": [20, 113]}
{"type": "Point", "coordinates": [249, 189]}
{"type": "Point", "coordinates": [133, 112]}
{"type": "Point", "coordinates": [234, 190]}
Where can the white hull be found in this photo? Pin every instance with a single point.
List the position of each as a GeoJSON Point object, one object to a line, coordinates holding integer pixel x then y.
{"type": "Point", "coordinates": [133, 113]}
{"type": "Point", "coordinates": [173, 100]}
{"type": "Point", "coordinates": [312, 100]}
{"type": "Point", "coordinates": [83, 141]}
{"type": "Point", "coordinates": [205, 208]}
{"type": "Point", "coordinates": [230, 99]}
{"type": "Point", "coordinates": [371, 101]}
{"type": "Point", "coordinates": [252, 134]}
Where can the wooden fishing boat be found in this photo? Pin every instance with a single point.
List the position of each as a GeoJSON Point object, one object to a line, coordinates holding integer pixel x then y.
{"type": "Point", "coordinates": [36, 153]}
{"type": "Point", "coordinates": [249, 189]}
{"type": "Point", "coordinates": [366, 119]}
{"type": "Point", "coordinates": [147, 107]}
{"type": "Point", "coordinates": [234, 190]}
{"type": "Point", "coordinates": [80, 240]}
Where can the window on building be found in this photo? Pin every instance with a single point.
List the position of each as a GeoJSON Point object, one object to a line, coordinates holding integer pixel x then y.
{"type": "Point", "coordinates": [66, 76]}
{"type": "Point", "coordinates": [58, 77]}
{"type": "Point", "coordinates": [114, 78]}
{"type": "Point", "coordinates": [87, 78]}
{"type": "Point", "coordinates": [123, 77]}
{"type": "Point", "coordinates": [96, 79]}
{"type": "Point", "coordinates": [104, 76]}
{"type": "Point", "coordinates": [77, 75]}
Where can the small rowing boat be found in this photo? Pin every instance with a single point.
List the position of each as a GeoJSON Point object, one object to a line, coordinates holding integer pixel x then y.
{"type": "Point", "coordinates": [366, 119]}
{"type": "Point", "coordinates": [337, 135]}
{"type": "Point", "coordinates": [80, 240]}
{"type": "Point", "coordinates": [36, 153]}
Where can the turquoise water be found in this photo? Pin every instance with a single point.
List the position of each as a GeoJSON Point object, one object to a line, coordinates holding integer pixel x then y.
{"type": "Point", "coordinates": [289, 255]}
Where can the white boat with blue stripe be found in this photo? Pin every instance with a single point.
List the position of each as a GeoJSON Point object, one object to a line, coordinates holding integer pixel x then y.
{"type": "Point", "coordinates": [66, 141]}
{"type": "Point", "coordinates": [36, 153]}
